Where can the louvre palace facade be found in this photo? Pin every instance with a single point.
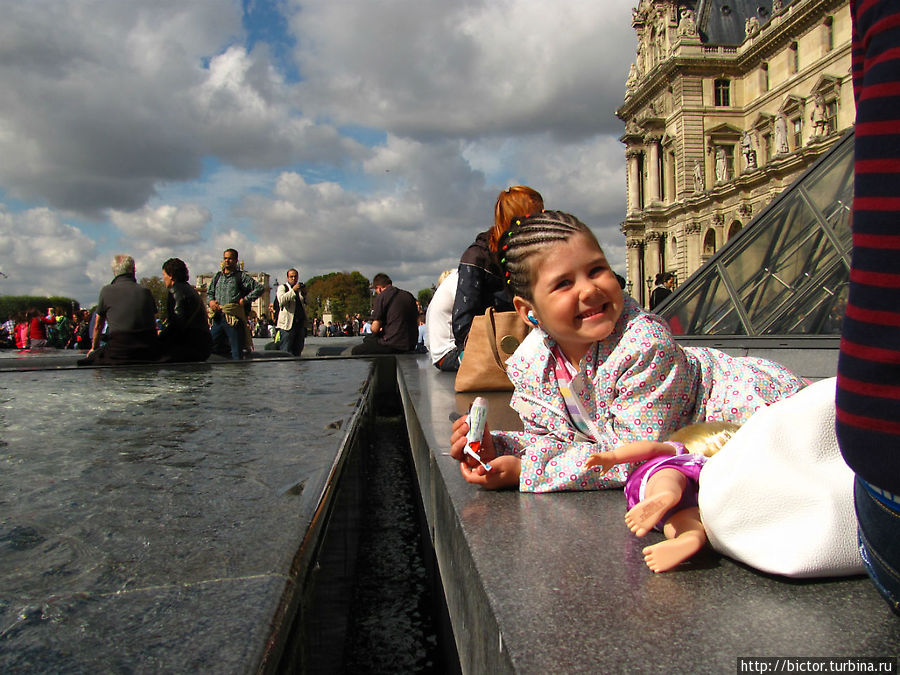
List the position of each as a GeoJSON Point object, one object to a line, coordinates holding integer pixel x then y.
{"type": "Point", "coordinates": [726, 104]}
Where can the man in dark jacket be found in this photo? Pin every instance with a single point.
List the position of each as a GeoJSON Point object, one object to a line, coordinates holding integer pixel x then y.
{"type": "Point", "coordinates": [129, 312]}
{"type": "Point", "coordinates": [394, 320]}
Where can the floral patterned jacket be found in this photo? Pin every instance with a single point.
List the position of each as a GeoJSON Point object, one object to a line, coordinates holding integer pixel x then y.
{"type": "Point", "coordinates": [637, 384]}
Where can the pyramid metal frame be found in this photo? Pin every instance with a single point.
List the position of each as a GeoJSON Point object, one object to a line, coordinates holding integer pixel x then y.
{"type": "Point", "coordinates": [786, 272]}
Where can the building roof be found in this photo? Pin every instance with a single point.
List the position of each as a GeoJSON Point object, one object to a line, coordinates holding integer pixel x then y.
{"type": "Point", "coordinates": [723, 22]}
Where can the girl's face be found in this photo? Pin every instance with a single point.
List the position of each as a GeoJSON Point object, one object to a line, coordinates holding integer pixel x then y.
{"type": "Point", "coordinates": [577, 298]}
{"type": "Point", "coordinates": [167, 280]}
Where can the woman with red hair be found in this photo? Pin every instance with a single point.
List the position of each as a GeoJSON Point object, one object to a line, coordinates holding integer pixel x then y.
{"type": "Point", "coordinates": [481, 284]}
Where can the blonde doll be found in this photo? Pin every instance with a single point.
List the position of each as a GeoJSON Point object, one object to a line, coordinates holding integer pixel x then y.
{"type": "Point", "coordinates": [663, 490]}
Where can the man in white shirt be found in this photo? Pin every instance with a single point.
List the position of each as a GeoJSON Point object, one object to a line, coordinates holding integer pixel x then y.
{"type": "Point", "coordinates": [292, 314]}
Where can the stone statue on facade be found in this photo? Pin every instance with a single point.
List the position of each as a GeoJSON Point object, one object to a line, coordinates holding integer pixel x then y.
{"type": "Point", "coordinates": [748, 151]}
{"type": "Point", "coordinates": [721, 165]}
{"type": "Point", "coordinates": [687, 24]}
{"type": "Point", "coordinates": [781, 135]}
{"type": "Point", "coordinates": [751, 26]}
{"type": "Point", "coordinates": [776, 6]}
{"type": "Point", "coordinates": [699, 183]}
{"type": "Point", "coordinates": [818, 118]}
{"type": "Point", "coordinates": [633, 77]}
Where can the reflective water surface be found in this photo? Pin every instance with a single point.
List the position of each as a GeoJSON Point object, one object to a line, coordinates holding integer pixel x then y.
{"type": "Point", "coordinates": [124, 490]}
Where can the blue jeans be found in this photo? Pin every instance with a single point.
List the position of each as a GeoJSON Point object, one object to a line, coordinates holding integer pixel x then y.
{"type": "Point", "coordinates": [879, 541]}
{"type": "Point", "coordinates": [292, 341]}
{"type": "Point", "coordinates": [233, 333]}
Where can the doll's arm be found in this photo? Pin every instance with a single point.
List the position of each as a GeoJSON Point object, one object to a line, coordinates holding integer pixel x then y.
{"type": "Point", "coordinates": [638, 451]}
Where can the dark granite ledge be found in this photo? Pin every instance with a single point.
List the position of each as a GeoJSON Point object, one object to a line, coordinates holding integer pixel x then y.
{"type": "Point", "coordinates": [557, 583]}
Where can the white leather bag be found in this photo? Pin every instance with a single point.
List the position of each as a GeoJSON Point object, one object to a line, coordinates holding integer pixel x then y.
{"type": "Point", "coordinates": [779, 497]}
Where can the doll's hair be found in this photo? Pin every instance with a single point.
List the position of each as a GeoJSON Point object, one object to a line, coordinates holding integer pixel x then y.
{"type": "Point", "coordinates": [705, 438]}
{"type": "Point", "coordinates": [514, 202]}
{"type": "Point", "coordinates": [527, 237]}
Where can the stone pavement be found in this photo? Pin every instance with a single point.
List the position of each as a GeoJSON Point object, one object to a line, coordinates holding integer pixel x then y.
{"type": "Point", "coordinates": [557, 583]}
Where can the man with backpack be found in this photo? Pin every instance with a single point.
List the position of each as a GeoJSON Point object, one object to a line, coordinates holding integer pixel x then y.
{"type": "Point", "coordinates": [291, 324]}
{"type": "Point", "coordinates": [228, 291]}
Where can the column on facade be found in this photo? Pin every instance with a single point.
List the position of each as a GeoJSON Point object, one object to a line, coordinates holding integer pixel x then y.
{"type": "Point", "coordinates": [653, 178]}
{"type": "Point", "coordinates": [634, 179]}
{"type": "Point", "coordinates": [693, 247]}
{"type": "Point", "coordinates": [634, 268]}
{"type": "Point", "coordinates": [653, 256]}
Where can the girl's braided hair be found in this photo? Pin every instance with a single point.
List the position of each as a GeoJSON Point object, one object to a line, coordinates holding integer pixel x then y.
{"type": "Point", "coordinates": [526, 237]}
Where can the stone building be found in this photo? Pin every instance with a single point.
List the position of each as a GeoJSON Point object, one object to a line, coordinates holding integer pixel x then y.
{"type": "Point", "coordinates": [726, 104]}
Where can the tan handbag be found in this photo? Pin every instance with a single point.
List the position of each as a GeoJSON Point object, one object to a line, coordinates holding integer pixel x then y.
{"type": "Point", "coordinates": [493, 337]}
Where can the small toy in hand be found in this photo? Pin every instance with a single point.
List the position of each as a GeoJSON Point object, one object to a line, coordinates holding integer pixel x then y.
{"type": "Point", "coordinates": [477, 419]}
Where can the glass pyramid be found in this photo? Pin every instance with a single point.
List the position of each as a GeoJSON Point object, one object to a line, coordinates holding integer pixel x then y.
{"type": "Point", "coordinates": [786, 272]}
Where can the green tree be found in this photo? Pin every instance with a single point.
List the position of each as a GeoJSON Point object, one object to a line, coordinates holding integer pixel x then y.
{"type": "Point", "coordinates": [424, 297]}
{"type": "Point", "coordinates": [12, 304]}
{"type": "Point", "coordinates": [348, 292]}
{"type": "Point", "coordinates": [159, 292]}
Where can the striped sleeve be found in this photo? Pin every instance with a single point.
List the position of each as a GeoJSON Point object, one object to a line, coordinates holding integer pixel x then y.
{"type": "Point", "coordinates": [868, 391]}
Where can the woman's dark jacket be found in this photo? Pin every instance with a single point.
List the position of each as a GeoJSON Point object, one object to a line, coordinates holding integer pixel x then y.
{"type": "Point", "coordinates": [481, 285]}
{"type": "Point", "coordinates": [186, 336]}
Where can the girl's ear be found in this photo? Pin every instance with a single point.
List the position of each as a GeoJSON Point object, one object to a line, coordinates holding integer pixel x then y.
{"type": "Point", "coordinates": [522, 307]}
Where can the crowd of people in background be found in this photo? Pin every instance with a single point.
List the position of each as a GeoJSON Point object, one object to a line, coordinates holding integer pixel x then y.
{"type": "Point", "coordinates": [125, 326]}
{"type": "Point", "coordinates": [54, 328]}
{"type": "Point", "coordinates": [353, 326]}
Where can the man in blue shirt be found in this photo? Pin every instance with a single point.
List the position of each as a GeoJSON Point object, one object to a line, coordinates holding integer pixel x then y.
{"type": "Point", "coordinates": [227, 293]}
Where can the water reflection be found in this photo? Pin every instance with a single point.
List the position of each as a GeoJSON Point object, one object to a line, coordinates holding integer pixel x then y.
{"type": "Point", "coordinates": [113, 480]}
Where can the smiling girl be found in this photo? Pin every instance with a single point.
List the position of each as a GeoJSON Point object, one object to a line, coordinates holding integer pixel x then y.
{"type": "Point", "coordinates": [598, 371]}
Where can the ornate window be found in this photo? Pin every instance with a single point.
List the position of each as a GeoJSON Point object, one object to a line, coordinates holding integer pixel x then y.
{"type": "Point", "coordinates": [762, 130]}
{"type": "Point", "coordinates": [709, 242]}
{"type": "Point", "coordinates": [831, 114]}
{"type": "Point", "coordinates": [792, 109]}
{"type": "Point", "coordinates": [829, 89]}
{"type": "Point", "coordinates": [722, 92]}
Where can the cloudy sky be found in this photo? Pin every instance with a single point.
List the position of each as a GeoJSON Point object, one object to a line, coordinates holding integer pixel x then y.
{"type": "Point", "coordinates": [328, 135]}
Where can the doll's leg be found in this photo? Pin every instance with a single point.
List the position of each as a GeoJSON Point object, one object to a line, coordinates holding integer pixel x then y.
{"type": "Point", "coordinates": [685, 536]}
{"type": "Point", "coordinates": [663, 491]}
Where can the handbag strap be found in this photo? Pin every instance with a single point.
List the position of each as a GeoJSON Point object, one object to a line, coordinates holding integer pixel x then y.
{"type": "Point", "coordinates": [493, 340]}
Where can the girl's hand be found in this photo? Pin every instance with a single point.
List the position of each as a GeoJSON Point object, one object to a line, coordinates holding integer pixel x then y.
{"type": "Point", "coordinates": [504, 473]}
{"type": "Point", "coordinates": [458, 443]}
{"type": "Point", "coordinates": [602, 460]}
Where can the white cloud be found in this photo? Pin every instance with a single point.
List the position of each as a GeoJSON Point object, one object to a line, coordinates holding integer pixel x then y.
{"type": "Point", "coordinates": [164, 225]}
{"type": "Point", "coordinates": [153, 129]}
{"type": "Point", "coordinates": [43, 255]}
{"type": "Point", "coordinates": [119, 99]}
{"type": "Point", "coordinates": [432, 68]}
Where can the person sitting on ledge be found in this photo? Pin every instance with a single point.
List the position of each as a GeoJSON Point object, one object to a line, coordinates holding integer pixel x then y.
{"type": "Point", "coordinates": [186, 336]}
{"type": "Point", "coordinates": [129, 311]}
{"type": "Point", "coordinates": [394, 320]}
